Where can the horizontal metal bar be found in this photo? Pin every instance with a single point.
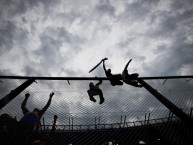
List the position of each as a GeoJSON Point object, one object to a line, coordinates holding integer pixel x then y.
{"type": "Point", "coordinates": [90, 78]}
{"type": "Point", "coordinates": [166, 77]}
{"type": "Point", "coordinates": [53, 78]}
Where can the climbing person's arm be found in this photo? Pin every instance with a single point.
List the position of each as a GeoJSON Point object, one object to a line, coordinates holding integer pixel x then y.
{"type": "Point", "coordinates": [104, 67]}
{"type": "Point", "coordinates": [47, 105]}
{"type": "Point", "coordinates": [23, 105]}
{"type": "Point", "coordinates": [54, 124]}
{"type": "Point", "coordinates": [100, 82]}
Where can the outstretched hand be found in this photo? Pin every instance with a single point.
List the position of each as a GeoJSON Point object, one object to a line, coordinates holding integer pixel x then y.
{"type": "Point", "coordinates": [51, 94]}
{"type": "Point", "coordinates": [27, 95]}
{"type": "Point", "coordinates": [104, 59]}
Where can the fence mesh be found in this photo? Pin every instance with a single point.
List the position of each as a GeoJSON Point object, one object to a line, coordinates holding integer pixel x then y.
{"type": "Point", "coordinates": [129, 114]}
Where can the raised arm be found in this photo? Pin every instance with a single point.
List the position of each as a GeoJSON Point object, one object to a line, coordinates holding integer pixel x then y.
{"type": "Point", "coordinates": [46, 106]}
{"type": "Point", "coordinates": [54, 124]}
{"type": "Point", "coordinates": [23, 105]}
{"type": "Point", "coordinates": [127, 65]}
{"type": "Point", "coordinates": [105, 68]}
{"type": "Point", "coordinates": [100, 82]}
{"type": "Point", "coordinates": [104, 65]}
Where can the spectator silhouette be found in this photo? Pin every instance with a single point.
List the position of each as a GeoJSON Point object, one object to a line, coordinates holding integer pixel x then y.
{"type": "Point", "coordinates": [30, 120]}
{"type": "Point", "coordinates": [7, 122]}
{"type": "Point", "coordinates": [95, 90]}
{"type": "Point", "coordinates": [114, 78]}
{"type": "Point", "coordinates": [130, 79]}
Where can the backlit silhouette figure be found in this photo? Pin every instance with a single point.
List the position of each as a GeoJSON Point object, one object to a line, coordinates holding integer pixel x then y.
{"type": "Point", "coordinates": [114, 78]}
{"type": "Point", "coordinates": [32, 119]}
{"type": "Point", "coordinates": [130, 79]}
{"type": "Point", "coordinates": [95, 90]}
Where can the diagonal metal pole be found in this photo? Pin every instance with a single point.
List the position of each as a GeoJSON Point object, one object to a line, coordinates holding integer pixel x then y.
{"type": "Point", "coordinates": [5, 100]}
{"type": "Point", "coordinates": [177, 111]}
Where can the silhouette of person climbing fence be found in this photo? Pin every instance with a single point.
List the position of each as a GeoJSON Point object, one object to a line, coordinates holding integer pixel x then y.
{"type": "Point", "coordinates": [114, 78]}
{"type": "Point", "coordinates": [95, 90]}
{"type": "Point", "coordinates": [130, 79]}
{"type": "Point", "coordinates": [30, 120]}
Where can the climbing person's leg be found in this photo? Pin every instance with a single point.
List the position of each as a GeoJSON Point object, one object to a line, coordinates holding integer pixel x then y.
{"type": "Point", "coordinates": [90, 93]}
{"type": "Point", "coordinates": [101, 97]}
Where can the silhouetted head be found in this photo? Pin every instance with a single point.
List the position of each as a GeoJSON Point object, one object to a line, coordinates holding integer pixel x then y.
{"type": "Point", "coordinates": [36, 111]}
{"type": "Point", "coordinates": [109, 70]}
{"type": "Point", "coordinates": [4, 118]}
{"type": "Point", "coordinates": [91, 85]}
{"type": "Point", "coordinates": [8, 121]}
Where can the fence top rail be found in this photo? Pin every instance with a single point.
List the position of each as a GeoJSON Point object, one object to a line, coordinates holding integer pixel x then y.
{"type": "Point", "coordinates": [91, 78]}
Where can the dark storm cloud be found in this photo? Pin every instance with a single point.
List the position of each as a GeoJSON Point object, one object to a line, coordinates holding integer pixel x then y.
{"type": "Point", "coordinates": [53, 38]}
{"type": "Point", "coordinates": [187, 14]}
{"type": "Point", "coordinates": [50, 53]}
{"type": "Point", "coordinates": [11, 8]}
{"type": "Point", "coordinates": [30, 71]}
{"type": "Point", "coordinates": [173, 58]}
{"type": "Point", "coordinates": [165, 27]}
{"type": "Point", "coordinates": [125, 43]}
{"type": "Point", "coordinates": [182, 49]}
{"type": "Point", "coordinates": [71, 72]}
{"type": "Point", "coordinates": [138, 10]}
{"type": "Point", "coordinates": [172, 26]}
{"type": "Point", "coordinates": [105, 7]}
{"type": "Point", "coordinates": [6, 37]}
{"type": "Point", "coordinates": [181, 5]}
{"type": "Point", "coordinates": [167, 24]}
{"type": "Point", "coordinates": [71, 16]}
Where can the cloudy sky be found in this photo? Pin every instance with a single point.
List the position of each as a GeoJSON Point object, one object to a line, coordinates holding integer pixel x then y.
{"type": "Point", "coordinates": [67, 38]}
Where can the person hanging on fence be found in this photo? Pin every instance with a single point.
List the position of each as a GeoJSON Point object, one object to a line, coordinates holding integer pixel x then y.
{"type": "Point", "coordinates": [30, 120]}
{"type": "Point", "coordinates": [130, 79]}
{"type": "Point", "coordinates": [95, 90]}
{"type": "Point", "coordinates": [114, 78]}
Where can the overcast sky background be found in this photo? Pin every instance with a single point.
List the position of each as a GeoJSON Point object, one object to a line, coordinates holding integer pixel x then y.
{"type": "Point", "coordinates": [66, 38]}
